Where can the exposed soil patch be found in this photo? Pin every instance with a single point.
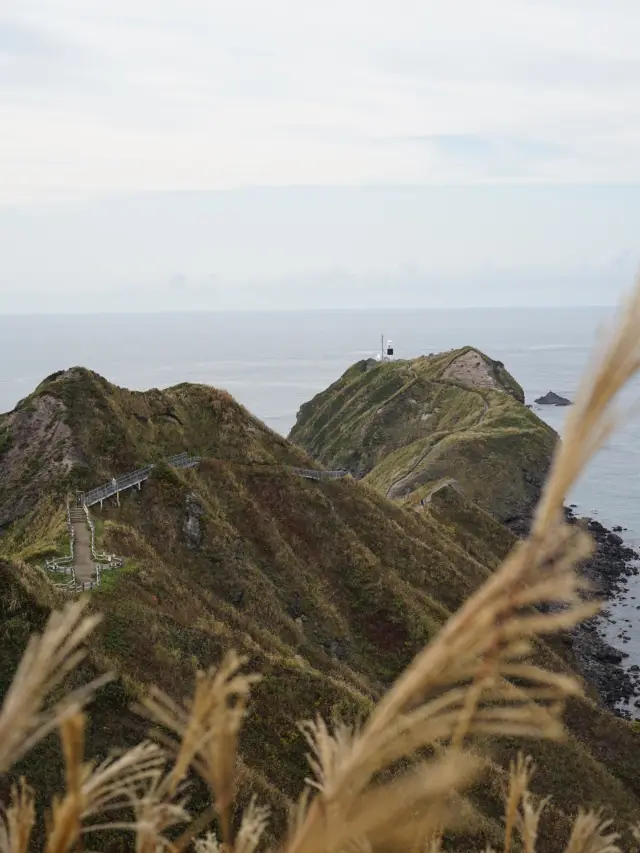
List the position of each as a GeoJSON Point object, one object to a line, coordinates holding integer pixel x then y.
{"type": "Point", "coordinates": [471, 369]}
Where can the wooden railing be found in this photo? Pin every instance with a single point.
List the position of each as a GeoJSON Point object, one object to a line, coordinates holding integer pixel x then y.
{"type": "Point", "coordinates": [104, 561]}
{"type": "Point", "coordinates": [100, 557]}
{"type": "Point", "coordinates": [135, 478]}
{"type": "Point", "coordinates": [64, 565]}
{"type": "Point", "coordinates": [313, 474]}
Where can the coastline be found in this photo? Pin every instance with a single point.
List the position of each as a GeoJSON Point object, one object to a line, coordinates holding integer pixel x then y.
{"type": "Point", "coordinates": [599, 644]}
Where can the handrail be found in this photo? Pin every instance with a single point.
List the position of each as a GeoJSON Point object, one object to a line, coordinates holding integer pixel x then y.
{"type": "Point", "coordinates": [98, 556]}
{"type": "Point", "coordinates": [180, 460]}
{"type": "Point", "coordinates": [104, 561]}
{"type": "Point", "coordinates": [60, 564]}
{"type": "Point", "coordinates": [313, 474]}
{"type": "Point", "coordinates": [107, 490]}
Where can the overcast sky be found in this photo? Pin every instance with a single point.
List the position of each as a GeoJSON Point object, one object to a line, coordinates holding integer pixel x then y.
{"type": "Point", "coordinates": [200, 153]}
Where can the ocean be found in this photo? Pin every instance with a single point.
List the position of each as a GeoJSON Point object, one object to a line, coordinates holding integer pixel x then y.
{"type": "Point", "coordinates": [273, 362]}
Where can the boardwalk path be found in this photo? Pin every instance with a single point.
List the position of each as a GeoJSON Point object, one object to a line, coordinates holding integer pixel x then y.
{"type": "Point", "coordinates": [180, 460]}
{"type": "Point", "coordinates": [83, 562]}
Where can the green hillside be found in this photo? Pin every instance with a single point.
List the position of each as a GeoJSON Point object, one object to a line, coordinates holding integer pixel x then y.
{"type": "Point", "coordinates": [328, 588]}
{"type": "Point", "coordinates": [409, 426]}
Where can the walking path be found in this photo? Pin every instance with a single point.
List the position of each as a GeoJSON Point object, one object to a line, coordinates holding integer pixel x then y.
{"type": "Point", "coordinates": [437, 488]}
{"type": "Point", "coordinates": [396, 485]}
{"type": "Point", "coordinates": [83, 563]}
{"type": "Point", "coordinates": [313, 474]}
{"type": "Point", "coordinates": [180, 460]}
{"type": "Point", "coordinates": [135, 478]}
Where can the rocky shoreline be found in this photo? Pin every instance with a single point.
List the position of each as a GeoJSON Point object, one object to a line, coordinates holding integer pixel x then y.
{"type": "Point", "coordinates": [602, 664]}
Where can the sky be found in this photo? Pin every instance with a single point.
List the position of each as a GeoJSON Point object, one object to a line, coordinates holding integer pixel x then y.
{"type": "Point", "coordinates": [202, 154]}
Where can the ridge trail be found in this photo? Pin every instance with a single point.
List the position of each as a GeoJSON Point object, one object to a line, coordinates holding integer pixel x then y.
{"type": "Point", "coordinates": [405, 476]}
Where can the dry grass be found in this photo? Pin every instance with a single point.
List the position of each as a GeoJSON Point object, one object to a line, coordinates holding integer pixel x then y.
{"type": "Point", "coordinates": [395, 782]}
{"type": "Point", "coordinates": [25, 718]}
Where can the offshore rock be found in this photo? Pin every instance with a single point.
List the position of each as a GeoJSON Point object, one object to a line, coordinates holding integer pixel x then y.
{"type": "Point", "coordinates": [553, 399]}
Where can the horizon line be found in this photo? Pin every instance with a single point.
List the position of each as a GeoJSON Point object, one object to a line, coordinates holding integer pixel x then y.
{"type": "Point", "coordinates": [200, 310]}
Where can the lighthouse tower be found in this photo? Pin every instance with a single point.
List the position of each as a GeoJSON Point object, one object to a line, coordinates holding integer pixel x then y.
{"type": "Point", "coordinates": [386, 350]}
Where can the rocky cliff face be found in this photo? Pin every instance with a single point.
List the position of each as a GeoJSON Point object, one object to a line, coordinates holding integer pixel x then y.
{"type": "Point", "coordinates": [409, 426]}
{"type": "Point", "coordinates": [476, 370]}
{"type": "Point", "coordinates": [36, 451]}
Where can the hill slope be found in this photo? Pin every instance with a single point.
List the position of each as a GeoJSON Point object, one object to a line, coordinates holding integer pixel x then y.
{"type": "Point", "coordinates": [408, 426]}
{"type": "Point", "coordinates": [76, 430]}
{"type": "Point", "coordinates": [328, 588]}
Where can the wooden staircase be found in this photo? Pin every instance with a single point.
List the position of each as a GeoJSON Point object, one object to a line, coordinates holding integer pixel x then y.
{"type": "Point", "coordinates": [76, 515]}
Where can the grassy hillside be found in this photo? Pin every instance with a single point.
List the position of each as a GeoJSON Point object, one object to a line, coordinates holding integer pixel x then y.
{"type": "Point", "coordinates": [408, 426]}
{"type": "Point", "coordinates": [328, 588]}
{"type": "Point", "coordinates": [76, 431]}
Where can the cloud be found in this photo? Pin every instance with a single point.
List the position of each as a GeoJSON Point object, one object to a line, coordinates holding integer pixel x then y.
{"type": "Point", "coordinates": [158, 94]}
{"type": "Point", "coordinates": [466, 155]}
{"type": "Point", "coordinates": [321, 246]}
{"type": "Point", "coordinates": [25, 40]}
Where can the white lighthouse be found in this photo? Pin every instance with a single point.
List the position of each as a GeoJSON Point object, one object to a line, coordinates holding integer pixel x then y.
{"type": "Point", "coordinates": [386, 350]}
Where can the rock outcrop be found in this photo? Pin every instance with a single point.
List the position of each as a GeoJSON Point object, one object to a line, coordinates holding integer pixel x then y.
{"type": "Point", "coordinates": [477, 370]}
{"type": "Point", "coordinates": [552, 399]}
{"type": "Point", "coordinates": [36, 451]}
{"type": "Point", "coordinates": [191, 525]}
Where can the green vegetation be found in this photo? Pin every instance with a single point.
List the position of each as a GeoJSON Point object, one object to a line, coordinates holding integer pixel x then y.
{"type": "Point", "coordinates": [110, 578]}
{"type": "Point", "coordinates": [119, 430]}
{"type": "Point", "coordinates": [407, 425]}
{"type": "Point", "coordinates": [327, 588]}
{"type": "Point", "coordinates": [39, 534]}
{"type": "Point", "coordinates": [77, 430]}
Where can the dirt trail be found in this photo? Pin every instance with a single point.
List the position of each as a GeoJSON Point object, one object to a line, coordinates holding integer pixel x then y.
{"type": "Point", "coordinates": [448, 482]}
{"type": "Point", "coordinates": [83, 564]}
{"type": "Point", "coordinates": [397, 484]}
